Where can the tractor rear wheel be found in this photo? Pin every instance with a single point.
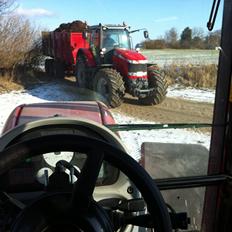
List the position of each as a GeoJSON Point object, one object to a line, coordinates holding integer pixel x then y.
{"type": "Point", "coordinates": [157, 81]}
{"type": "Point", "coordinates": [80, 72]}
{"type": "Point", "coordinates": [109, 83]}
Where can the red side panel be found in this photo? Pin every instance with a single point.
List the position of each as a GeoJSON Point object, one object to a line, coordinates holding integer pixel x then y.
{"type": "Point", "coordinates": [58, 45]}
{"type": "Point", "coordinates": [65, 45]}
{"type": "Point", "coordinates": [77, 42]}
{"type": "Point", "coordinates": [89, 57]}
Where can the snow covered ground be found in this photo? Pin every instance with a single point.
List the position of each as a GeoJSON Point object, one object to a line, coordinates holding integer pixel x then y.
{"type": "Point", "coordinates": [132, 139]}
{"type": "Point", "coordinates": [200, 95]}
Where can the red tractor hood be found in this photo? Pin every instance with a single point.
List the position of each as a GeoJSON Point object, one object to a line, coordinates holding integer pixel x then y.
{"type": "Point", "coordinates": [130, 56]}
{"type": "Point", "coordinates": [93, 110]}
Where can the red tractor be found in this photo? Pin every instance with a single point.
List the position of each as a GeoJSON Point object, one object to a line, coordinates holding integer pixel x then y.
{"type": "Point", "coordinates": [111, 67]}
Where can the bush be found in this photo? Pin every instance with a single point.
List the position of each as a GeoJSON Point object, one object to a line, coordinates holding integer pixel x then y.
{"type": "Point", "coordinates": [199, 76]}
{"type": "Point", "coordinates": [154, 44]}
{"type": "Point", "coordinates": [18, 43]}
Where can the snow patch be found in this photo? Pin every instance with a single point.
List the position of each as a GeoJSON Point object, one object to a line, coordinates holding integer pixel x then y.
{"type": "Point", "coordinates": [134, 139]}
{"type": "Point", "coordinates": [192, 94]}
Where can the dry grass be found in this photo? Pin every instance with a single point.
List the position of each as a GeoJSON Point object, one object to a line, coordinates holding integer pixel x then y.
{"type": "Point", "coordinates": [7, 84]}
{"type": "Point", "coordinates": [198, 76]}
{"type": "Point", "coordinates": [23, 80]}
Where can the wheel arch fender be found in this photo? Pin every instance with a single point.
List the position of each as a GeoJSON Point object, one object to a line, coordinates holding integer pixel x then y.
{"type": "Point", "coordinates": [88, 55]}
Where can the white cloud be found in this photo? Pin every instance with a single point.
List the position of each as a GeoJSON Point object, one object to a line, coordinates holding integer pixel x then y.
{"type": "Point", "coordinates": [33, 12]}
{"type": "Point", "coordinates": [167, 19]}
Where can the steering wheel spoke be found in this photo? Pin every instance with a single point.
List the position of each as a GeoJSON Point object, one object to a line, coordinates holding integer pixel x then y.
{"type": "Point", "coordinates": [83, 189]}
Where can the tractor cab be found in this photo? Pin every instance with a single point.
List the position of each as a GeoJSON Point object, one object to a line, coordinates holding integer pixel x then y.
{"type": "Point", "coordinates": [105, 38]}
{"type": "Point", "coordinates": [115, 37]}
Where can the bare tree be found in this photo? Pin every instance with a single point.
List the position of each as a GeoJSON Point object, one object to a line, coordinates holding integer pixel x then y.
{"type": "Point", "coordinates": [171, 37]}
{"type": "Point", "coordinates": [5, 5]}
{"type": "Point", "coordinates": [212, 40]}
{"type": "Point", "coordinates": [198, 37]}
{"type": "Point", "coordinates": [17, 39]}
{"type": "Point", "coordinates": [198, 32]}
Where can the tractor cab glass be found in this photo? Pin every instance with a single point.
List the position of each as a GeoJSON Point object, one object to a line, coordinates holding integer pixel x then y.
{"type": "Point", "coordinates": [94, 43]}
{"type": "Point", "coordinates": [115, 38]}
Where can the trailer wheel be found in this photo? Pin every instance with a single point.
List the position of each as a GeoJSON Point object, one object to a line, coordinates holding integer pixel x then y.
{"type": "Point", "coordinates": [109, 83]}
{"type": "Point", "coordinates": [157, 81]}
{"type": "Point", "coordinates": [59, 69]}
{"type": "Point", "coordinates": [80, 72]}
{"type": "Point", "coordinates": [49, 67]}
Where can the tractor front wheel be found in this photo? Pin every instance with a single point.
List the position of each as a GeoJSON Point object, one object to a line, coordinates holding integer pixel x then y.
{"type": "Point", "coordinates": [157, 81]}
{"type": "Point", "coordinates": [109, 83]}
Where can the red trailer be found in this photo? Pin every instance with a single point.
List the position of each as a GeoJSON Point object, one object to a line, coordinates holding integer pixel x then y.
{"type": "Point", "coordinates": [61, 48]}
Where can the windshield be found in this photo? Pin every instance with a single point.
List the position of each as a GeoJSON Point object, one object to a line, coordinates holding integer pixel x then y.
{"type": "Point", "coordinates": [113, 38]}
{"type": "Point", "coordinates": [156, 94]}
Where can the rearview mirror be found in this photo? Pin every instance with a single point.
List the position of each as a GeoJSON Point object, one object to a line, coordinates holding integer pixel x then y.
{"type": "Point", "coordinates": [84, 34]}
{"type": "Point", "coordinates": [146, 35]}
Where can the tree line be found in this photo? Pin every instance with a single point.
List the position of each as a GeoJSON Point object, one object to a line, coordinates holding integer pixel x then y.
{"type": "Point", "coordinates": [188, 39]}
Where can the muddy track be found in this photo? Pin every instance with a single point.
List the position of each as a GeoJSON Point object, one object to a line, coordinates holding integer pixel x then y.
{"type": "Point", "coordinates": [169, 111]}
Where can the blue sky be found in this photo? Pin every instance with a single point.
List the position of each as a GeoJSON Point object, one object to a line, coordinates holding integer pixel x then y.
{"type": "Point", "coordinates": [156, 15]}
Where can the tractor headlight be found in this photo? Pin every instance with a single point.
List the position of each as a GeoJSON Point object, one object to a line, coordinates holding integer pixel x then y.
{"type": "Point", "coordinates": [102, 52]}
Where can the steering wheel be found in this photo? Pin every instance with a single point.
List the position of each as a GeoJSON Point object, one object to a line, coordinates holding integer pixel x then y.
{"type": "Point", "coordinates": [77, 211]}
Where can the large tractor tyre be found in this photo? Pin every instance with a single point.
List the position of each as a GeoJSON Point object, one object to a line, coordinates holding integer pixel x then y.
{"type": "Point", "coordinates": [81, 72]}
{"type": "Point", "coordinates": [49, 67]}
{"type": "Point", "coordinates": [109, 83]}
{"type": "Point", "coordinates": [59, 72]}
{"type": "Point", "coordinates": [157, 81]}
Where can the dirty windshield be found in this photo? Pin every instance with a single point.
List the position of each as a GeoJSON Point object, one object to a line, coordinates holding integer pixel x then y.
{"type": "Point", "coordinates": [145, 70]}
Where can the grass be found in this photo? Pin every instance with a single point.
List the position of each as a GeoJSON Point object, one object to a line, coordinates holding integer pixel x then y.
{"type": "Point", "coordinates": [7, 84]}
{"type": "Point", "coordinates": [22, 80]}
{"type": "Point", "coordinates": [197, 76]}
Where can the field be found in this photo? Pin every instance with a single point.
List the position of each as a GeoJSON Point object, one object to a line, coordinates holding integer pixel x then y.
{"type": "Point", "coordinates": [186, 67]}
{"type": "Point", "coordinates": [182, 56]}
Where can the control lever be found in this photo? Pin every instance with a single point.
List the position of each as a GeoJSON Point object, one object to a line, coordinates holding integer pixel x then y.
{"type": "Point", "coordinates": [131, 205]}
